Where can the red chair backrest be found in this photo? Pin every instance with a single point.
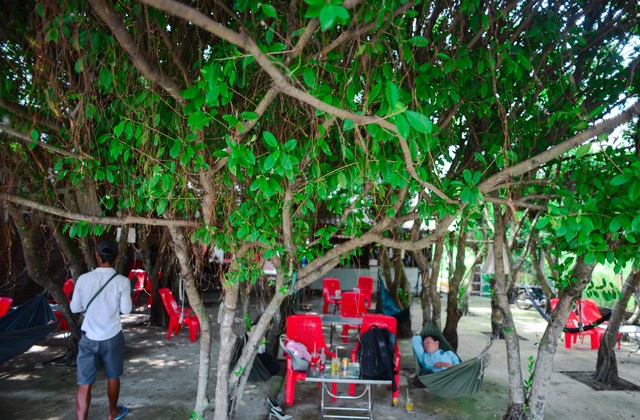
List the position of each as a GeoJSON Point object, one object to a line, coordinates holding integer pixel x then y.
{"type": "Point", "coordinates": [169, 302]}
{"type": "Point", "coordinates": [5, 304]}
{"type": "Point", "coordinates": [365, 284]}
{"type": "Point", "coordinates": [68, 287]}
{"type": "Point", "coordinates": [306, 329]}
{"type": "Point", "coordinates": [329, 286]}
{"type": "Point", "coordinates": [139, 277]}
{"type": "Point", "coordinates": [353, 305]}
{"type": "Point", "coordinates": [380, 321]}
{"type": "Point", "coordinates": [589, 311]}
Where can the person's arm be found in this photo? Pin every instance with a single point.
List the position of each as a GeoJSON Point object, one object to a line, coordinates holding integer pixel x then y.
{"type": "Point", "coordinates": [126, 303]}
{"type": "Point", "coordinates": [76, 305]}
{"type": "Point", "coordinates": [418, 349]}
{"type": "Point", "coordinates": [448, 359]}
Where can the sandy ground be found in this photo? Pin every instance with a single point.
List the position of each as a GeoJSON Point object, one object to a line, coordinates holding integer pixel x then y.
{"type": "Point", "coordinates": [160, 378]}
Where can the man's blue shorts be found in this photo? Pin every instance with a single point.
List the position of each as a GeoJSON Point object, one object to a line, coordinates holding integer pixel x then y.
{"type": "Point", "coordinates": [92, 354]}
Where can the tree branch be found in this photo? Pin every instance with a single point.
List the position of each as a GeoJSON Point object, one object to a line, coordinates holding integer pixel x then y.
{"type": "Point", "coordinates": [525, 166]}
{"type": "Point", "coordinates": [27, 114]}
{"type": "Point", "coordinates": [98, 220]}
{"type": "Point", "coordinates": [281, 83]}
{"type": "Point", "coordinates": [28, 140]}
{"type": "Point", "coordinates": [111, 18]}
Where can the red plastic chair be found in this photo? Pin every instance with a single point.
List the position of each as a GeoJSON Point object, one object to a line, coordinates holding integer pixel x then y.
{"type": "Point", "coordinates": [68, 287]}
{"type": "Point", "coordinates": [365, 285]}
{"type": "Point", "coordinates": [380, 321]}
{"type": "Point", "coordinates": [140, 283]}
{"type": "Point", "coordinates": [5, 304]}
{"type": "Point", "coordinates": [329, 287]}
{"type": "Point", "coordinates": [189, 318]}
{"type": "Point", "coordinates": [353, 306]}
{"type": "Point", "coordinates": [590, 314]}
{"type": "Point", "coordinates": [573, 322]}
{"type": "Point", "coordinates": [305, 329]}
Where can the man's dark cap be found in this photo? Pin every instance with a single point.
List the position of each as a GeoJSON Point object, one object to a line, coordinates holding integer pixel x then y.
{"type": "Point", "coordinates": [107, 249]}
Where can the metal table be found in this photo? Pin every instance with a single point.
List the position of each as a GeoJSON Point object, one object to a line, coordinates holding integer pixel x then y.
{"type": "Point", "coordinates": [350, 376]}
{"type": "Point", "coordinates": [334, 320]}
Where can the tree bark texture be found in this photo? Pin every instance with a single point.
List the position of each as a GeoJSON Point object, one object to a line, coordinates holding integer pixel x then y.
{"type": "Point", "coordinates": [606, 365]}
{"type": "Point", "coordinates": [454, 311]}
{"type": "Point", "coordinates": [29, 232]}
{"type": "Point", "coordinates": [432, 291]}
{"type": "Point", "coordinates": [180, 248]}
{"type": "Point", "coordinates": [504, 321]}
{"type": "Point", "coordinates": [539, 381]}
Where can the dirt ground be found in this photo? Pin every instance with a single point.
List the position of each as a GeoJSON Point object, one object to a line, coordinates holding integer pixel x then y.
{"type": "Point", "coordinates": [160, 378]}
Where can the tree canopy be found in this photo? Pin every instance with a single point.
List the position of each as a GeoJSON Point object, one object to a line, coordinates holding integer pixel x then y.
{"type": "Point", "coordinates": [271, 128]}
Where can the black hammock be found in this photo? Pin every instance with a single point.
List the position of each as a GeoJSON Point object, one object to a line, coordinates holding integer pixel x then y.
{"type": "Point", "coordinates": [24, 326]}
{"type": "Point", "coordinates": [459, 380]}
{"type": "Point", "coordinates": [580, 329]}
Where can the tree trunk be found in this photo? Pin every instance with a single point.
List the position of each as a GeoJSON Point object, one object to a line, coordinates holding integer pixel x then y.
{"type": "Point", "coordinates": [432, 290]}
{"type": "Point", "coordinates": [539, 380]}
{"type": "Point", "coordinates": [538, 266]}
{"type": "Point", "coordinates": [454, 311]}
{"type": "Point", "coordinates": [503, 321]}
{"type": "Point", "coordinates": [70, 251]}
{"type": "Point", "coordinates": [606, 366]}
{"type": "Point", "coordinates": [186, 272]}
{"type": "Point", "coordinates": [29, 232]}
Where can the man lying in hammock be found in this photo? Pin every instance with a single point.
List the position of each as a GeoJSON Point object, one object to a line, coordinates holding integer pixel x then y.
{"type": "Point", "coordinates": [429, 355]}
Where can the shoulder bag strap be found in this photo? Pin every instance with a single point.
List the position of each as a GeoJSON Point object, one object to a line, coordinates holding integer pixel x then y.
{"type": "Point", "coordinates": [98, 292]}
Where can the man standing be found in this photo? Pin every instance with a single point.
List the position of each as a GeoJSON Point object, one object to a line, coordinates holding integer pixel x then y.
{"type": "Point", "coordinates": [104, 295]}
{"type": "Point", "coordinates": [429, 355]}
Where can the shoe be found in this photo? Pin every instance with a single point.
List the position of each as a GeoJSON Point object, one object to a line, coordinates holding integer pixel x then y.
{"type": "Point", "coordinates": [274, 405]}
{"type": "Point", "coordinates": [124, 412]}
{"type": "Point", "coordinates": [279, 414]}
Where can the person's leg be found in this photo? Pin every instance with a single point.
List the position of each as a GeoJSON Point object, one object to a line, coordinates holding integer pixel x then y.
{"type": "Point", "coordinates": [83, 400]}
{"type": "Point", "coordinates": [113, 391]}
{"type": "Point", "coordinates": [87, 363]}
{"type": "Point", "coordinates": [112, 351]}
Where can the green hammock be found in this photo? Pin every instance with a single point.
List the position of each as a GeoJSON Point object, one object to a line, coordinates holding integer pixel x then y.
{"type": "Point", "coordinates": [457, 381]}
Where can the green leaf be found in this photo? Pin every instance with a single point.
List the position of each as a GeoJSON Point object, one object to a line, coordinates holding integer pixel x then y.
{"type": "Point", "coordinates": [191, 93]}
{"type": "Point", "coordinates": [342, 180]}
{"type": "Point", "coordinates": [52, 35]}
{"type": "Point", "coordinates": [342, 14]}
{"type": "Point", "coordinates": [392, 94]}
{"type": "Point", "coordinates": [419, 122]}
{"type": "Point", "coordinates": [176, 149]}
{"type": "Point", "coordinates": [269, 10]}
{"type": "Point", "coordinates": [419, 41]}
{"type": "Point", "coordinates": [327, 17]}
{"type": "Point", "coordinates": [249, 115]}
{"type": "Point", "coordinates": [269, 162]}
{"type": "Point", "coordinates": [403, 126]}
{"type": "Point", "coordinates": [105, 78]}
{"type": "Point", "coordinates": [621, 179]}
{"type": "Point", "coordinates": [35, 135]}
{"type": "Point", "coordinates": [616, 224]}
{"type": "Point", "coordinates": [309, 77]}
{"type": "Point", "coordinates": [480, 157]}
{"type": "Point", "coordinates": [542, 222]}
{"type": "Point", "coordinates": [583, 150]}
{"type": "Point", "coordinates": [269, 139]}
{"type": "Point", "coordinates": [79, 65]}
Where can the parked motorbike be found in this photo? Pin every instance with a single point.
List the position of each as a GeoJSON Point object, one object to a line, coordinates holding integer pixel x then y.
{"type": "Point", "coordinates": [523, 293]}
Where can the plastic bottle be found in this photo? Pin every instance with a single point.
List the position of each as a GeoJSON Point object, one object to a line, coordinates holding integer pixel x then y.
{"type": "Point", "coordinates": [323, 359]}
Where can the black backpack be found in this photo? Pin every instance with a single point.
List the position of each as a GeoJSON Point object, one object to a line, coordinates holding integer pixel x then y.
{"type": "Point", "coordinates": [376, 355]}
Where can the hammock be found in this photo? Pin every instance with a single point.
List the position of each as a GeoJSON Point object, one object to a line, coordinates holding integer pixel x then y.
{"type": "Point", "coordinates": [24, 326]}
{"type": "Point", "coordinates": [259, 372]}
{"type": "Point", "coordinates": [389, 306]}
{"type": "Point", "coordinates": [580, 329]}
{"type": "Point", "coordinates": [457, 381]}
